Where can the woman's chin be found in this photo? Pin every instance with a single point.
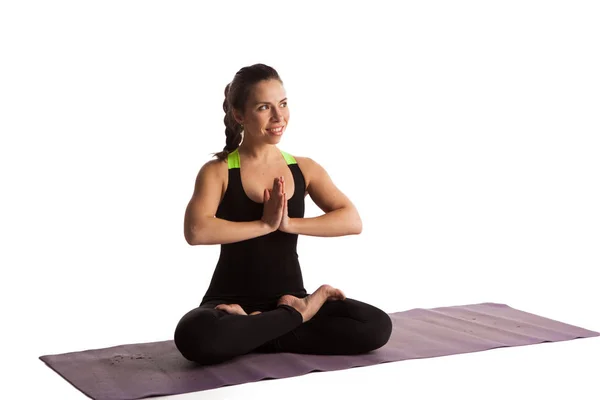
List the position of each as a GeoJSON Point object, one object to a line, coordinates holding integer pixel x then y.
{"type": "Point", "coordinates": [275, 138]}
{"type": "Point", "coordinates": [276, 135]}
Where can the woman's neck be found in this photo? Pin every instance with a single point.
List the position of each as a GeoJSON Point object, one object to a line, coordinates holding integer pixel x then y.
{"type": "Point", "coordinates": [262, 153]}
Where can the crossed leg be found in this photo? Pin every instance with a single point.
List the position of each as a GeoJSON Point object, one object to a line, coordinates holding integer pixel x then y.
{"type": "Point", "coordinates": [339, 328]}
{"type": "Point", "coordinates": [209, 335]}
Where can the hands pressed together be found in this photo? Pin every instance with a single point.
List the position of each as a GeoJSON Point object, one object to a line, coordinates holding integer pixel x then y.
{"type": "Point", "coordinates": [275, 211]}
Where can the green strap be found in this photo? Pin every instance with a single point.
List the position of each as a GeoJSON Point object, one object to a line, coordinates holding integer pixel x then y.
{"type": "Point", "coordinates": [288, 157]}
{"type": "Point", "coordinates": [233, 159]}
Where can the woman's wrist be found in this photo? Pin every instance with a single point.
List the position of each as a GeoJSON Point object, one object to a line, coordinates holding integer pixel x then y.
{"type": "Point", "coordinates": [290, 226]}
{"type": "Point", "coordinates": [266, 227]}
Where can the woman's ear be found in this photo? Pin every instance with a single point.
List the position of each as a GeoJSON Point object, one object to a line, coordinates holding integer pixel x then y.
{"type": "Point", "coordinates": [238, 118]}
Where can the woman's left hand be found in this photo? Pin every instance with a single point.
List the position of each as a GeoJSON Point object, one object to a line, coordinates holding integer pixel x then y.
{"type": "Point", "coordinates": [284, 226]}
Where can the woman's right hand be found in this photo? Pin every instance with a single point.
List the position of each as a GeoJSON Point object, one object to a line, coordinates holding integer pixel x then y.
{"type": "Point", "coordinates": [273, 205]}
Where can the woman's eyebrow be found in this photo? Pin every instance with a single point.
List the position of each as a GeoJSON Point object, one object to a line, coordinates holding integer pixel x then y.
{"type": "Point", "coordinates": [266, 102]}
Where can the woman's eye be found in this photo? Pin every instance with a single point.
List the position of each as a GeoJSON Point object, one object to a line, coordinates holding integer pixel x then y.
{"type": "Point", "coordinates": [264, 105]}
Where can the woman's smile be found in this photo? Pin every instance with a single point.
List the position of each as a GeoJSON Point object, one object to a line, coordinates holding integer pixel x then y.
{"type": "Point", "coordinates": [276, 131]}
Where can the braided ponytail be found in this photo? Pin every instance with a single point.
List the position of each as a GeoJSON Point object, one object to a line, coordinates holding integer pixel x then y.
{"type": "Point", "coordinates": [236, 95]}
{"type": "Point", "coordinates": [233, 130]}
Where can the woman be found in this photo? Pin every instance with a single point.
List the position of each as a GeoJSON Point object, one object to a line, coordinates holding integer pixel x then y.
{"type": "Point", "coordinates": [250, 200]}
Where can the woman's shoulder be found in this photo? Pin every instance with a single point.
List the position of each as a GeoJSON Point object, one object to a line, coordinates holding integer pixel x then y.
{"type": "Point", "coordinates": [215, 164]}
{"type": "Point", "coordinates": [214, 167]}
{"type": "Point", "coordinates": [309, 167]}
{"type": "Point", "coordinates": [305, 163]}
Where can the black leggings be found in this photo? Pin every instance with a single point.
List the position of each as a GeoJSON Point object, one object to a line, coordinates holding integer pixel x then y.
{"type": "Point", "coordinates": [342, 327]}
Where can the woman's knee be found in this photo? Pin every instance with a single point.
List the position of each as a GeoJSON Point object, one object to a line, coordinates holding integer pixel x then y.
{"type": "Point", "coordinates": [377, 329]}
{"type": "Point", "coordinates": [382, 329]}
{"type": "Point", "coordinates": [195, 335]}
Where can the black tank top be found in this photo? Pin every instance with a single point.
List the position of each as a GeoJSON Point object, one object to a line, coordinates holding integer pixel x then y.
{"type": "Point", "coordinates": [261, 269]}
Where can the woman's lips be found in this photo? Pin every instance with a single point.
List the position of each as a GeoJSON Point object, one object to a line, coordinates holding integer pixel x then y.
{"type": "Point", "coordinates": [276, 131]}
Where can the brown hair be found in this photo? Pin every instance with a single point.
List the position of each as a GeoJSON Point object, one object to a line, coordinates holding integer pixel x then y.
{"type": "Point", "coordinates": [236, 95]}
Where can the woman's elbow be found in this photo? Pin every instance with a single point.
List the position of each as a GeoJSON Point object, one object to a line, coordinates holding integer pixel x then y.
{"type": "Point", "coordinates": [190, 239]}
{"type": "Point", "coordinates": [357, 226]}
{"type": "Point", "coordinates": [193, 236]}
{"type": "Point", "coordinates": [356, 223]}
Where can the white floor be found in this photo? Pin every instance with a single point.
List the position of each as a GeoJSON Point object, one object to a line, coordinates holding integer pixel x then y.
{"type": "Point", "coordinates": [465, 132]}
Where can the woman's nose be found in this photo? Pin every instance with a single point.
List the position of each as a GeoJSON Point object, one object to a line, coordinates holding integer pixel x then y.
{"type": "Point", "coordinates": [277, 114]}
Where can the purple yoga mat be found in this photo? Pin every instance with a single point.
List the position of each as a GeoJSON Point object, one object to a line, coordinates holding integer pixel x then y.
{"type": "Point", "coordinates": [137, 371]}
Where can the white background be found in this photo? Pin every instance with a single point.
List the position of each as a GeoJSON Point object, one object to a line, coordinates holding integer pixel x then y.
{"type": "Point", "coordinates": [465, 132]}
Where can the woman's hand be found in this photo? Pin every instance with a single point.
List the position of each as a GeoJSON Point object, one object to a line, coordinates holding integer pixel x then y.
{"type": "Point", "coordinates": [273, 205]}
{"type": "Point", "coordinates": [285, 219]}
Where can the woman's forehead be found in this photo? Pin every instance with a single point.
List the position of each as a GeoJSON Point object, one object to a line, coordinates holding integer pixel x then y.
{"type": "Point", "coordinates": [271, 91]}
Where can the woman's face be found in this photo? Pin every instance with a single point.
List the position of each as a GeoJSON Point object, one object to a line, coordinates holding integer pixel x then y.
{"type": "Point", "coordinates": [266, 116]}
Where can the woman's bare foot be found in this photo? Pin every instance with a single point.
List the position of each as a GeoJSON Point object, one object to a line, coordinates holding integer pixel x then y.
{"type": "Point", "coordinates": [235, 309]}
{"type": "Point", "coordinates": [231, 309]}
{"type": "Point", "coordinates": [309, 305]}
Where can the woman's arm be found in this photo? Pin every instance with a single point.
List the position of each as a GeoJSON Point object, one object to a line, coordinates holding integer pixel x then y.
{"type": "Point", "coordinates": [341, 216]}
{"type": "Point", "coordinates": [200, 224]}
